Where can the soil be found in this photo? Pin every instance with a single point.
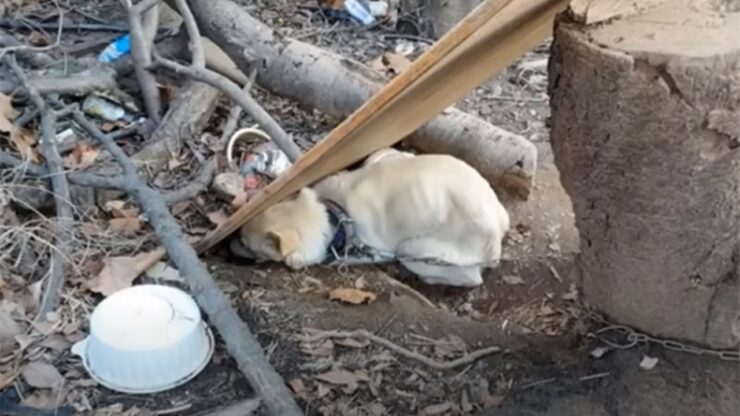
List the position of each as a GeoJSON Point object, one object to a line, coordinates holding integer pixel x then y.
{"type": "Point", "coordinates": [528, 306]}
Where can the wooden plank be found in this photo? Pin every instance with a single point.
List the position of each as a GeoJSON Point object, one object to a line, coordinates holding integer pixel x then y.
{"type": "Point", "coordinates": [488, 39]}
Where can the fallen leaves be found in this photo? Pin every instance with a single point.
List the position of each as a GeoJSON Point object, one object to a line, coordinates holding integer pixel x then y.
{"type": "Point", "coordinates": [512, 280]}
{"type": "Point", "coordinates": [81, 157]}
{"type": "Point", "coordinates": [390, 64]}
{"type": "Point", "coordinates": [125, 226]}
{"type": "Point", "coordinates": [22, 139]}
{"type": "Point", "coordinates": [41, 375]}
{"type": "Point", "coordinates": [120, 272]}
{"type": "Point", "coordinates": [352, 295]}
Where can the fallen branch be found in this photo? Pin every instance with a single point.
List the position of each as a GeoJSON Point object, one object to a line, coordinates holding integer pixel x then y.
{"type": "Point", "coordinates": [199, 184]}
{"type": "Point", "coordinates": [16, 24]}
{"type": "Point", "coordinates": [437, 365]}
{"type": "Point", "coordinates": [141, 52]}
{"type": "Point", "coordinates": [28, 53]}
{"type": "Point", "coordinates": [338, 86]}
{"type": "Point", "coordinates": [185, 119]}
{"type": "Point", "coordinates": [271, 127]}
{"type": "Point", "coordinates": [194, 187]}
{"type": "Point", "coordinates": [55, 281]}
{"type": "Point", "coordinates": [98, 78]}
{"type": "Point", "coordinates": [240, 342]}
{"type": "Point", "coordinates": [236, 112]}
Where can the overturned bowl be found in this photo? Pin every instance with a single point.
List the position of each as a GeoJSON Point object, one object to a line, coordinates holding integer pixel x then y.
{"type": "Point", "coordinates": [146, 339]}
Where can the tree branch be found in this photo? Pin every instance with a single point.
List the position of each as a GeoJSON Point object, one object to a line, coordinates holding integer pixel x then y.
{"type": "Point", "coordinates": [141, 52]}
{"type": "Point", "coordinates": [281, 138]}
{"type": "Point", "coordinates": [240, 342]}
{"type": "Point", "coordinates": [60, 186]}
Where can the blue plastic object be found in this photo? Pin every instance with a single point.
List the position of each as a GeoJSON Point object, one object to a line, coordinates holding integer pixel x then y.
{"type": "Point", "coordinates": [116, 49]}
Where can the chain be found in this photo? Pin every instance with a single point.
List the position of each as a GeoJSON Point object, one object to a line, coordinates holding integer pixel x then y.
{"type": "Point", "coordinates": [632, 338]}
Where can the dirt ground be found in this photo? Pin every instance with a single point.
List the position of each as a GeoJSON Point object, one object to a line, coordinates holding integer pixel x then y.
{"type": "Point", "coordinates": [529, 306]}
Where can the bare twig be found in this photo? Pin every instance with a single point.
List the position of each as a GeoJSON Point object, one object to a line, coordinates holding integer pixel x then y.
{"type": "Point", "coordinates": [141, 52]}
{"type": "Point", "coordinates": [240, 408]}
{"type": "Point", "coordinates": [438, 365]}
{"type": "Point", "coordinates": [25, 52]}
{"type": "Point", "coordinates": [195, 44]}
{"type": "Point", "coordinates": [409, 290]}
{"type": "Point", "coordinates": [200, 183]}
{"type": "Point", "coordinates": [97, 78]}
{"type": "Point", "coordinates": [21, 47]}
{"type": "Point", "coordinates": [240, 342]}
{"type": "Point", "coordinates": [60, 186]}
{"type": "Point", "coordinates": [281, 138]}
{"type": "Point", "coordinates": [236, 111]}
{"type": "Point", "coordinates": [90, 27]}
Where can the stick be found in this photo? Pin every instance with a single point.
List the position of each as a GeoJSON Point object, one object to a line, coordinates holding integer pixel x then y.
{"type": "Point", "coordinates": [98, 78]}
{"type": "Point", "coordinates": [236, 112]}
{"type": "Point", "coordinates": [60, 186]}
{"type": "Point", "coordinates": [240, 342]}
{"type": "Point", "coordinates": [196, 186]}
{"type": "Point", "coordinates": [240, 408]}
{"type": "Point", "coordinates": [408, 289]}
{"type": "Point", "coordinates": [437, 365]}
{"type": "Point", "coordinates": [489, 38]}
{"type": "Point", "coordinates": [199, 184]}
{"type": "Point", "coordinates": [141, 52]}
{"type": "Point", "coordinates": [91, 27]}
{"type": "Point", "coordinates": [281, 138]}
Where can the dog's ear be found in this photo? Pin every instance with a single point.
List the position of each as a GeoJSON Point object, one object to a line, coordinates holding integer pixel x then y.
{"type": "Point", "coordinates": [285, 241]}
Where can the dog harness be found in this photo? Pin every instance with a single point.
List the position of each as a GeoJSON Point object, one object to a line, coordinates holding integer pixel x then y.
{"type": "Point", "coordinates": [344, 233]}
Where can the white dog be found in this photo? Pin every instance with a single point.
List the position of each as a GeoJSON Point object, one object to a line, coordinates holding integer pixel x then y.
{"type": "Point", "coordinates": [433, 213]}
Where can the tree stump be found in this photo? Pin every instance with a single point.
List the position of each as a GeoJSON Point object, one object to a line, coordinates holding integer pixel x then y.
{"type": "Point", "coordinates": [646, 135]}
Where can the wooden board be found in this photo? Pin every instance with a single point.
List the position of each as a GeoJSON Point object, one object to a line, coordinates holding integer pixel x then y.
{"type": "Point", "coordinates": [491, 37]}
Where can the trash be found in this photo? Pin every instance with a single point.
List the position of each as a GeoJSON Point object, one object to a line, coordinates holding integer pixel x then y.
{"type": "Point", "coordinates": [66, 140]}
{"type": "Point", "coordinates": [648, 363]}
{"type": "Point", "coordinates": [599, 352]}
{"type": "Point", "coordinates": [265, 159]}
{"type": "Point", "coordinates": [116, 49]}
{"type": "Point", "coordinates": [105, 109]}
{"type": "Point", "coordinates": [133, 355]}
{"type": "Point", "coordinates": [361, 10]}
{"type": "Point", "coordinates": [405, 48]}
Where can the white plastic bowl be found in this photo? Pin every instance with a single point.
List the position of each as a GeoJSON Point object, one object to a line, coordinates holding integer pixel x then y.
{"type": "Point", "coordinates": [146, 339]}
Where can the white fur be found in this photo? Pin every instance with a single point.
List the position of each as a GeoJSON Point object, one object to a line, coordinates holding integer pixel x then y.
{"type": "Point", "coordinates": [415, 206]}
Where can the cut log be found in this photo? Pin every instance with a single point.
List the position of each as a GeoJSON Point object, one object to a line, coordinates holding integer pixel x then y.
{"type": "Point", "coordinates": [186, 118]}
{"type": "Point", "coordinates": [643, 109]}
{"type": "Point", "coordinates": [338, 86]}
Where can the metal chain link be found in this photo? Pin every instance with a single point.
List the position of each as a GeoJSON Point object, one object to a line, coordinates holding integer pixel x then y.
{"type": "Point", "coordinates": [632, 338]}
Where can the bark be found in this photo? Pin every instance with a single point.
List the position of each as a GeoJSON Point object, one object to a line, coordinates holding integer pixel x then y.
{"type": "Point", "coordinates": [642, 116]}
{"type": "Point", "coordinates": [186, 118]}
{"type": "Point", "coordinates": [338, 86]}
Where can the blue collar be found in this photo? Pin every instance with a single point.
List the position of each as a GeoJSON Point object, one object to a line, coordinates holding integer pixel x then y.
{"type": "Point", "coordinates": [344, 230]}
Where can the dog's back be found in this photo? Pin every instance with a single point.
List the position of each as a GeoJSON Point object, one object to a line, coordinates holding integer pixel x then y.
{"type": "Point", "coordinates": [434, 196]}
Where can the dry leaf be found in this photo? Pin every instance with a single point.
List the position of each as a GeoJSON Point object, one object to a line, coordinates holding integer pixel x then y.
{"type": "Point", "coordinates": [390, 64]}
{"type": "Point", "coordinates": [324, 349]}
{"type": "Point", "coordinates": [323, 390]}
{"type": "Point", "coordinates": [217, 217]}
{"type": "Point", "coordinates": [125, 226]}
{"type": "Point", "coordinates": [83, 156]}
{"type": "Point", "coordinates": [22, 139]}
{"type": "Point", "coordinates": [297, 386]}
{"type": "Point", "coordinates": [351, 295]}
{"type": "Point", "coordinates": [339, 378]}
{"type": "Point", "coordinates": [448, 346]}
{"type": "Point", "coordinates": [41, 375]}
{"type": "Point", "coordinates": [120, 272]}
{"type": "Point", "coordinates": [437, 409]}
{"type": "Point", "coordinates": [648, 363]}
{"type": "Point", "coordinates": [9, 329]}
{"type": "Point", "coordinates": [512, 280]}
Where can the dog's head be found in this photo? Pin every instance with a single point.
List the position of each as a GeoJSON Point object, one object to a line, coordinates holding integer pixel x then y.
{"type": "Point", "coordinates": [296, 231]}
